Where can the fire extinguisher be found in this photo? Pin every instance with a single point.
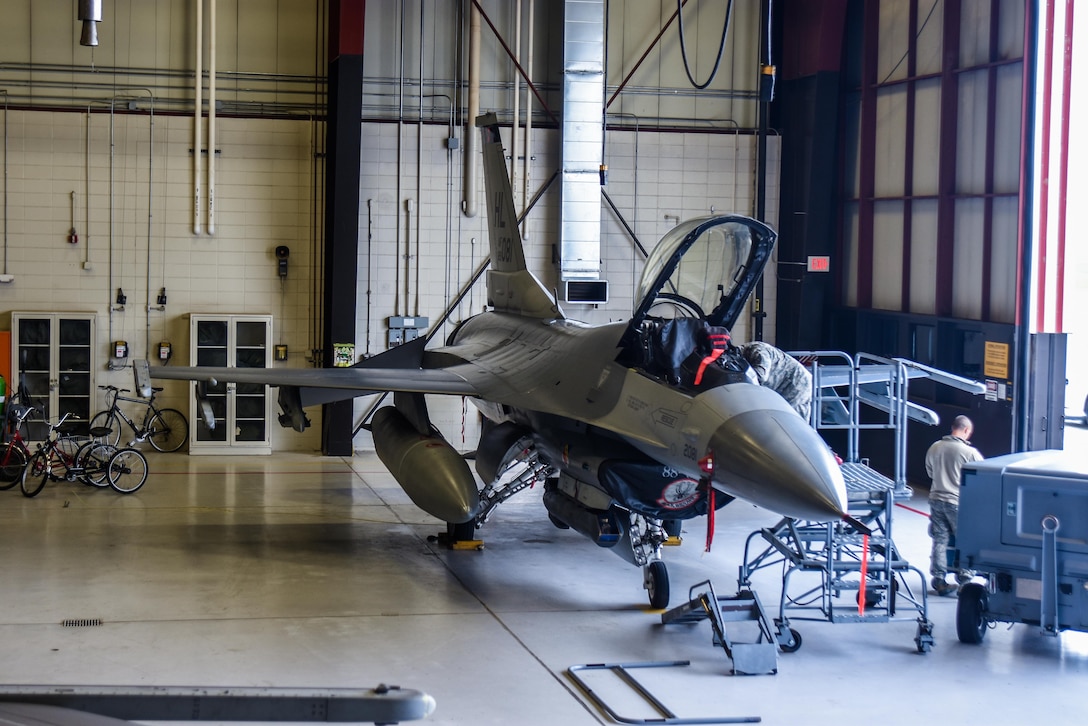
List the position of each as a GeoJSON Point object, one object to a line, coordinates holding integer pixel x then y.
{"type": "Point", "coordinates": [3, 396]}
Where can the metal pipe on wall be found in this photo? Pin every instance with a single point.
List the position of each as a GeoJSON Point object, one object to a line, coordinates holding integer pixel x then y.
{"type": "Point", "coordinates": [109, 291]}
{"type": "Point", "coordinates": [516, 126]}
{"type": "Point", "coordinates": [471, 137]}
{"type": "Point", "coordinates": [419, 157]}
{"type": "Point", "coordinates": [528, 120]}
{"type": "Point", "coordinates": [5, 181]}
{"type": "Point", "coordinates": [211, 116]}
{"type": "Point", "coordinates": [198, 162]}
{"type": "Point", "coordinates": [87, 191]}
{"type": "Point", "coordinates": [150, 215]}
{"type": "Point", "coordinates": [400, 159]}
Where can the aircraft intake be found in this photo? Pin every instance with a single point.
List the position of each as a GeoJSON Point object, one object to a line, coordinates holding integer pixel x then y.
{"type": "Point", "coordinates": [604, 527]}
{"type": "Point", "coordinates": [773, 458]}
{"type": "Point", "coordinates": [429, 470]}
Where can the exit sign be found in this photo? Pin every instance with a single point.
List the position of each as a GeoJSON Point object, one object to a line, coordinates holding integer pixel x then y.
{"type": "Point", "coordinates": [819, 263]}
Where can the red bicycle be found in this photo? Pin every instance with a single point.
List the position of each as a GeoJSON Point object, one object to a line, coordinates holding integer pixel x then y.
{"type": "Point", "coordinates": [14, 453]}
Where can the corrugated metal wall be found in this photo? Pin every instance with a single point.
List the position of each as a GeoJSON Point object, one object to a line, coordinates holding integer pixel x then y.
{"type": "Point", "coordinates": [932, 166]}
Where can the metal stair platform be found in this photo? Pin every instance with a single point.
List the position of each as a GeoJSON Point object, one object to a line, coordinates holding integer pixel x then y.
{"type": "Point", "coordinates": [749, 658]}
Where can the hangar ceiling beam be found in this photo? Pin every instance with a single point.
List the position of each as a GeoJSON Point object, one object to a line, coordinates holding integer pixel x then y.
{"type": "Point", "coordinates": [650, 47]}
{"type": "Point", "coordinates": [342, 179]}
{"type": "Point", "coordinates": [514, 60]}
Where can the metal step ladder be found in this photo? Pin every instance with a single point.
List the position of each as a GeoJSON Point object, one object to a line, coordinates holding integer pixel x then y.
{"type": "Point", "coordinates": [758, 658]}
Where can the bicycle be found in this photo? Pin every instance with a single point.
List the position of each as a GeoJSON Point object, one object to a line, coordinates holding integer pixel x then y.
{"type": "Point", "coordinates": [94, 462]}
{"type": "Point", "coordinates": [14, 452]}
{"type": "Point", "coordinates": [166, 428]}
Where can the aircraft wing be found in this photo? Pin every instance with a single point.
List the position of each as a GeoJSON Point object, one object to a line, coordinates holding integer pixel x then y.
{"type": "Point", "coordinates": [408, 380]}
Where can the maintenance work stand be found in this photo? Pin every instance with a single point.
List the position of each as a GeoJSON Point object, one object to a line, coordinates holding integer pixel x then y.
{"type": "Point", "coordinates": [860, 575]}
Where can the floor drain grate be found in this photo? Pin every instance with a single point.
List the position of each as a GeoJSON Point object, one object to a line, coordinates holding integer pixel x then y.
{"type": "Point", "coordinates": [82, 623]}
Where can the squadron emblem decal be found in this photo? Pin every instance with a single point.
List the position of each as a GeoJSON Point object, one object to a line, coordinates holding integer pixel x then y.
{"type": "Point", "coordinates": [679, 494]}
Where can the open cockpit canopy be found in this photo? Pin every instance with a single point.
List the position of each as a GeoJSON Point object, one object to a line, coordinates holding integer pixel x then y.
{"type": "Point", "coordinates": [696, 282]}
{"type": "Point", "coordinates": [704, 267]}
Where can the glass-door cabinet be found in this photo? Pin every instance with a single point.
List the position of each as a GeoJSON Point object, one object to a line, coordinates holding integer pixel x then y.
{"type": "Point", "coordinates": [52, 356]}
{"type": "Point", "coordinates": [241, 411]}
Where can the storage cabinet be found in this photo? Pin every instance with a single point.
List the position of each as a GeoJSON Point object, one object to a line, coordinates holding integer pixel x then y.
{"type": "Point", "coordinates": [242, 411]}
{"type": "Point", "coordinates": [52, 354]}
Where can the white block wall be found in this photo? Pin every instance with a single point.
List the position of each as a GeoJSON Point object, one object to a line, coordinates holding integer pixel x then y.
{"type": "Point", "coordinates": [412, 260]}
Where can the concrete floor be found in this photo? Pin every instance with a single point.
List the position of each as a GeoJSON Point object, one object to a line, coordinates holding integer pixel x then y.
{"type": "Point", "coordinates": [297, 570]}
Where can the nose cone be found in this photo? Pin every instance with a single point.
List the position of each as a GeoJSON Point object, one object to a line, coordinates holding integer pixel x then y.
{"type": "Point", "coordinates": [773, 458]}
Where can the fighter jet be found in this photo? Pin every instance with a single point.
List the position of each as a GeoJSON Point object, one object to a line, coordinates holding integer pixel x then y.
{"type": "Point", "coordinates": [631, 427]}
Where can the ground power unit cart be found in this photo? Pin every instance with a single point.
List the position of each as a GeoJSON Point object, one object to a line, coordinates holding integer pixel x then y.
{"type": "Point", "coordinates": [1023, 526]}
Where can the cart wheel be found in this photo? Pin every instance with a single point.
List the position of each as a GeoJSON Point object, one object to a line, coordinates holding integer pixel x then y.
{"type": "Point", "coordinates": [924, 638]}
{"type": "Point", "coordinates": [872, 597]}
{"type": "Point", "coordinates": [971, 613]}
{"type": "Point", "coordinates": [657, 584]}
{"type": "Point", "coordinates": [793, 644]}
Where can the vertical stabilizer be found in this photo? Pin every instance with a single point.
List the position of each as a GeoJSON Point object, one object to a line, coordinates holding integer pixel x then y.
{"type": "Point", "coordinates": [510, 286]}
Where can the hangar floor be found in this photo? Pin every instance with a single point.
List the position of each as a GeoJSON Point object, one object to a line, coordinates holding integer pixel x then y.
{"type": "Point", "coordinates": [298, 570]}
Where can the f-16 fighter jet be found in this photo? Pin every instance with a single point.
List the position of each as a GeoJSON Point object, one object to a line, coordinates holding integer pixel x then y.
{"type": "Point", "coordinates": [631, 427]}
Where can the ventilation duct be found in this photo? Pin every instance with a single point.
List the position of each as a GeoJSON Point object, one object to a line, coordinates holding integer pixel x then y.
{"type": "Point", "coordinates": [582, 138]}
{"type": "Point", "coordinates": [90, 12]}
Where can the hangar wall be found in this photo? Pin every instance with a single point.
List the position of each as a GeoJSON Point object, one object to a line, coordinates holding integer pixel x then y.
{"type": "Point", "coordinates": [932, 159]}
{"type": "Point", "coordinates": [59, 164]}
{"type": "Point", "coordinates": [673, 153]}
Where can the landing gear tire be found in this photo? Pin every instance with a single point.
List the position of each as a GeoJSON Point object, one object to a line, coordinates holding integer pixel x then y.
{"type": "Point", "coordinates": [971, 614]}
{"type": "Point", "coordinates": [657, 584]}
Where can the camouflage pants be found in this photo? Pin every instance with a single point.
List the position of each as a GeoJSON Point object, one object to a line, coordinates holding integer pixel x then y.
{"type": "Point", "coordinates": [942, 528]}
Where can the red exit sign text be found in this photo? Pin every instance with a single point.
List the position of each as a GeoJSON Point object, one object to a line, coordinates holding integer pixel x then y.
{"type": "Point", "coordinates": [819, 263]}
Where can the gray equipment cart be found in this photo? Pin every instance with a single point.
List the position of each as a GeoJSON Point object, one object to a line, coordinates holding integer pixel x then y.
{"type": "Point", "coordinates": [1023, 525]}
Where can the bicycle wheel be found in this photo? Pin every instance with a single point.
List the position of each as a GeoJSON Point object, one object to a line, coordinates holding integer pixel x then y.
{"type": "Point", "coordinates": [35, 474]}
{"type": "Point", "coordinates": [108, 420]}
{"type": "Point", "coordinates": [92, 459]}
{"type": "Point", "coordinates": [127, 470]}
{"type": "Point", "coordinates": [168, 430]}
{"type": "Point", "coordinates": [68, 446]}
{"type": "Point", "coordinates": [12, 463]}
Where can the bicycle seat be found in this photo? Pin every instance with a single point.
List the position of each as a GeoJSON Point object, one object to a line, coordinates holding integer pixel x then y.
{"type": "Point", "coordinates": [99, 432]}
{"type": "Point", "coordinates": [70, 428]}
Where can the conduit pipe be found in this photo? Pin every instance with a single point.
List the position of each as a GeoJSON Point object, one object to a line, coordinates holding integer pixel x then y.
{"type": "Point", "coordinates": [414, 296]}
{"type": "Point", "coordinates": [468, 204]}
{"type": "Point", "coordinates": [399, 201]}
{"type": "Point", "coordinates": [211, 116]}
{"type": "Point", "coordinates": [528, 120]}
{"type": "Point", "coordinates": [517, 107]}
{"type": "Point", "coordinates": [517, 64]}
{"type": "Point", "coordinates": [198, 165]}
{"type": "Point", "coordinates": [87, 192]}
{"type": "Point", "coordinates": [5, 182]}
{"type": "Point", "coordinates": [150, 207]}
